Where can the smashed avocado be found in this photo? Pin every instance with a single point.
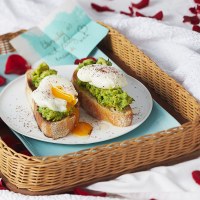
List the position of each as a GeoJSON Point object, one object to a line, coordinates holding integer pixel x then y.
{"type": "Point", "coordinates": [113, 98]}
{"type": "Point", "coordinates": [102, 61]}
{"type": "Point", "coordinates": [54, 116]}
{"type": "Point", "coordinates": [86, 62]}
{"type": "Point", "coordinates": [90, 61]}
{"type": "Point", "coordinates": [41, 72]}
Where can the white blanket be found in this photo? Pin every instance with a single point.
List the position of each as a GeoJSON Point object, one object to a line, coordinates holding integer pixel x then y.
{"type": "Point", "coordinates": [172, 45]}
{"type": "Point", "coordinates": [174, 49]}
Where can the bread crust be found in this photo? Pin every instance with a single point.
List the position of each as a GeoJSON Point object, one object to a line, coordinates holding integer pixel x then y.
{"type": "Point", "coordinates": [50, 129]}
{"type": "Point", "coordinates": [92, 107]}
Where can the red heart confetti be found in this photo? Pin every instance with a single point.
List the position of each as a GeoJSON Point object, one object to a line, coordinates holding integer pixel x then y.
{"type": "Point", "coordinates": [78, 61]}
{"type": "Point", "coordinates": [99, 8]}
{"type": "Point", "coordinates": [196, 176]}
{"type": "Point", "coordinates": [196, 28]}
{"type": "Point", "coordinates": [128, 13]}
{"type": "Point", "coordinates": [16, 64]}
{"type": "Point", "coordinates": [85, 192]}
{"type": "Point", "coordinates": [141, 4]}
{"type": "Point", "coordinates": [2, 80]}
{"type": "Point", "coordinates": [191, 19]}
{"type": "Point", "coordinates": [158, 16]}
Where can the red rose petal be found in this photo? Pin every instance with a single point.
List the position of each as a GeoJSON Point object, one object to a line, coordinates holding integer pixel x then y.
{"type": "Point", "coordinates": [2, 80]}
{"type": "Point", "coordinates": [26, 152]}
{"type": "Point", "coordinates": [193, 10]}
{"type": "Point", "coordinates": [126, 13]}
{"type": "Point", "coordinates": [16, 65]}
{"type": "Point", "coordinates": [77, 61]}
{"type": "Point", "coordinates": [141, 4]}
{"type": "Point", "coordinates": [197, 1]}
{"type": "Point", "coordinates": [138, 14]}
{"type": "Point", "coordinates": [196, 28]}
{"type": "Point", "coordinates": [158, 16]}
{"type": "Point", "coordinates": [15, 144]}
{"type": "Point", "coordinates": [85, 192]}
{"type": "Point", "coordinates": [10, 141]}
{"type": "Point", "coordinates": [99, 8]}
{"type": "Point", "coordinates": [198, 9]}
{"type": "Point", "coordinates": [196, 176]}
{"type": "Point", "coordinates": [191, 19]}
{"type": "Point", "coordinates": [2, 187]}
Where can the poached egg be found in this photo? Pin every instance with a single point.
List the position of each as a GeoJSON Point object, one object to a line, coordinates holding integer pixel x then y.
{"type": "Point", "coordinates": [102, 76]}
{"type": "Point", "coordinates": [55, 93]}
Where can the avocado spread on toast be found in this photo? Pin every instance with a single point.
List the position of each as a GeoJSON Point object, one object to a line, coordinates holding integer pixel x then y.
{"type": "Point", "coordinates": [112, 98]}
{"type": "Point", "coordinates": [41, 72]}
{"type": "Point", "coordinates": [51, 115]}
{"type": "Point", "coordinates": [37, 75]}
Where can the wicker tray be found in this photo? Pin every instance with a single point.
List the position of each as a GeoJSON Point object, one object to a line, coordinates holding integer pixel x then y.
{"type": "Point", "coordinates": [57, 174]}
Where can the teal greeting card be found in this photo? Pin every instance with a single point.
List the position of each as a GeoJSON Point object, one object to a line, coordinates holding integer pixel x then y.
{"type": "Point", "coordinates": [68, 33]}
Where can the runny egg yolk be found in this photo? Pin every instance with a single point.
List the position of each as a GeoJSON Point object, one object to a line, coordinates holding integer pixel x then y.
{"type": "Point", "coordinates": [82, 129]}
{"type": "Point", "coordinates": [60, 93]}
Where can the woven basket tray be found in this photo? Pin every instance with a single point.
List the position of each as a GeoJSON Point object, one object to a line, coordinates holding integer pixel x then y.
{"type": "Point", "coordinates": [56, 174]}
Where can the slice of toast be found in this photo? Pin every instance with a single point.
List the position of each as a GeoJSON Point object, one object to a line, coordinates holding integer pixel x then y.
{"type": "Point", "coordinates": [50, 129]}
{"type": "Point", "coordinates": [92, 107]}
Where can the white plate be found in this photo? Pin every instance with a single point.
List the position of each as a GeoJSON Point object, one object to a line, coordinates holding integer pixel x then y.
{"type": "Point", "coordinates": [16, 112]}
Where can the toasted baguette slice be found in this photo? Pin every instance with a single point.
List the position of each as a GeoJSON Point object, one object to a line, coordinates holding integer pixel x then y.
{"type": "Point", "coordinates": [92, 107]}
{"type": "Point", "coordinates": [50, 129]}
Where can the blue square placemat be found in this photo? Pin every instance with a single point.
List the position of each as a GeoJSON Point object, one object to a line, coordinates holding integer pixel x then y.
{"type": "Point", "coordinates": [158, 120]}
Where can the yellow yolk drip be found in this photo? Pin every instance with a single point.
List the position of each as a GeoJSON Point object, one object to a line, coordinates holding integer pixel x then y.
{"type": "Point", "coordinates": [58, 92]}
{"type": "Point", "coordinates": [82, 129]}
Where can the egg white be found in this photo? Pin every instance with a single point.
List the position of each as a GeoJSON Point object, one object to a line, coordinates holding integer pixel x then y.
{"type": "Point", "coordinates": [43, 96]}
{"type": "Point", "coordinates": [102, 76]}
